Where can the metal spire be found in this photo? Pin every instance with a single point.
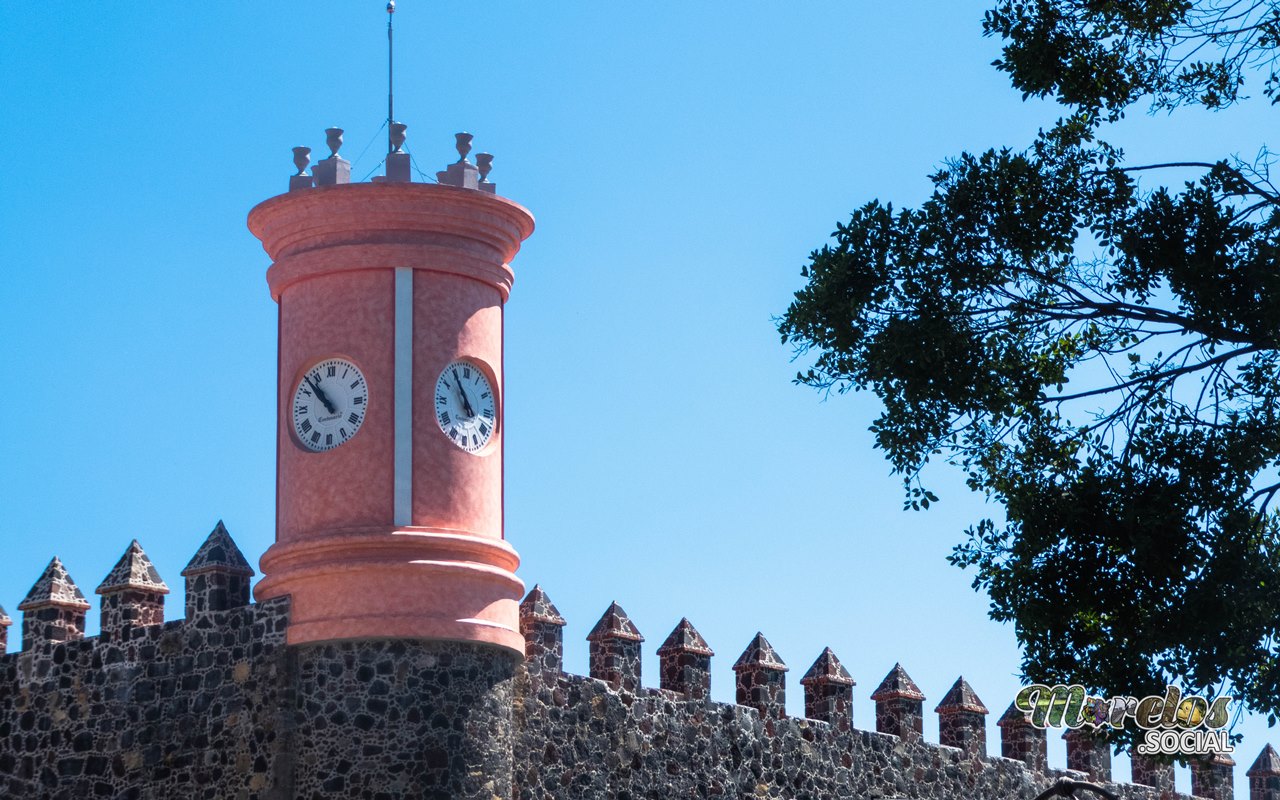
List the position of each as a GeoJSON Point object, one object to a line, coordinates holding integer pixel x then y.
{"type": "Point", "coordinates": [391, 116]}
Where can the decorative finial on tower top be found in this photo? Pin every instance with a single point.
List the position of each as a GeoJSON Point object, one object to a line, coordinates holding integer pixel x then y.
{"type": "Point", "coordinates": [333, 138]}
{"type": "Point", "coordinates": [301, 159]}
{"type": "Point", "coordinates": [485, 162]}
{"type": "Point", "coordinates": [463, 145]}
{"type": "Point", "coordinates": [301, 180]}
{"type": "Point", "coordinates": [391, 6]}
{"type": "Point", "coordinates": [398, 136]}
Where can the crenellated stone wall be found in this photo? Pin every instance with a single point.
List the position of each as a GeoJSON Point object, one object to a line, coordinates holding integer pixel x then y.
{"type": "Point", "coordinates": [217, 705]}
{"type": "Point", "coordinates": [188, 709]}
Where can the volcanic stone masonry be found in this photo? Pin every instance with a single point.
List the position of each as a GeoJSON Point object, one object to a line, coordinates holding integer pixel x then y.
{"type": "Point", "coordinates": [218, 705]}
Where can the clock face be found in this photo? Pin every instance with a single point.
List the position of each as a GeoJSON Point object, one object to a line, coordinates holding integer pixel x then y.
{"type": "Point", "coordinates": [329, 404]}
{"type": "Point", "coordinates": [466, 409]}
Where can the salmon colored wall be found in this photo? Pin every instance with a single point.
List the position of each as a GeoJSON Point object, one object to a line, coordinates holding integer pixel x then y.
{"type": "Point", "coordinates": [455, 317]}
{"type": "Point", "coordinates": [346, 314]}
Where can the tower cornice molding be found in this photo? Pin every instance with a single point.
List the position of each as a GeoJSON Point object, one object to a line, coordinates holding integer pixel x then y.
{"type": "Point", "coordinates": [386, 225]}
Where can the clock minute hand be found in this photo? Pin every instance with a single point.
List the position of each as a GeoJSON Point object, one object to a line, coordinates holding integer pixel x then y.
{"type": "Point", "coordinates": [466, 404]}
{"type": "Point", "coordinates": [323, 398]}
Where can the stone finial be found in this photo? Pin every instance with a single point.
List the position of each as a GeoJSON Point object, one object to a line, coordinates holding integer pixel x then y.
{"type": "Point", "coordinates": [301, 180]}
{"type": "Point", "coordinates": [462, 141]}
{"type": "Point", "coordinates": [301, 160]}
{"type": "Point", "coordinates": [962, 719]}
{"type": "Point", "coordinates": [484, 164]}
{"type": "Point", "coordinates": [1021, 740]}
{"type": "Point", "coordinates": [762, 679]}
{"type": "Point", "coordinates": [684, 661]}
{"type": "Point", "coordinates": [462, 173]}
{"type": "Point", "coordinates": [1150, 771]}
{"type": "Point", "coordinates": [543, 631]}
{"type": "Point", "coordinates": [398, 130]}
{"type": "Point", "coordinates": [1088, 754]}
{"type": "Point", "coordinates": [217, 575]}
{"type": "Point", "coordinates": [1264, 775]}
{"type": "Point", "coordinates": [399, 164]}
{"type": "Point", "coordinates": [335, 169]}
{"type": "Point", "coordinates": [828, 691]}
{"type": "Point", "coordinates": [615, 650]}
{"type": "Point", "coordinates": [1212, 777]}
{"type": "Point", "coordinates": [54, 609]}
{"type": "Point", "coordinates": [333, 139]}
{"type": "Point", "coordinates": [132, 594]}
{"type": "Point", "coordinates": [5, 622]}
{"type": "Point", "coordinates": [899, 705]}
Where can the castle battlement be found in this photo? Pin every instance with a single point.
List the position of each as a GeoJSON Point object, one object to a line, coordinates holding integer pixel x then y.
{"type": "Point", "coordinates": [218, 704]}
{"type": "Point", "coordinates": [827, 753]}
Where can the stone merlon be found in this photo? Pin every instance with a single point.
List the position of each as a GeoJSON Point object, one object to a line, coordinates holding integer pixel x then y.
{"type": "Point", "coordinates": [218, 554]}
{"type": "Point", "coordinates": [827, 669]}
{"type": "Point", "coordinates": [615, 624]}
{"type": "Point", "coordinates": [54, 588]}
{"type": "Point", "coordinates": [134, 571]}
{"type": "Point", "coordinates": [685, 639]}
{"type": "Point", "coordinates": [961, 697]}
{"type": "Point", "coordinates": [897, 685]}
{"type": "Point", "coordinates": [537, 607]}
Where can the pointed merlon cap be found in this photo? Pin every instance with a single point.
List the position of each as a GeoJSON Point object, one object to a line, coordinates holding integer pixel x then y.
{"type": "Point", "coordinates": [1013, 717]}
{"type": "Point", "coordinates": [685, 639]}
{"type": "Point", "coordinates": [897, 684]}
{"type": "Point", "coordinates": [133, 571]}
{"type": "Point", "coordinates": [218, 554]}
{"type": "Point", "coordinates": [759, 655]}
{"type": "Point", "coordinates": [961, 697]}
{"type": "Point", "coordinates": [826, 670]}
{"type": "Point", "coordinates": [615, 624]}
{"type": "Point", "coordinates": [5, 621]}
{"type": "Point", "coordinates": [538, 607]}
{"type": "Point", "coordinates": [54, 588]}
{"type": "Point", "coordinates": [1265, 765]}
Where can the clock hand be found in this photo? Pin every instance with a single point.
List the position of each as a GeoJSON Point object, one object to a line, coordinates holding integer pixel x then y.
{"type": "Point", "coordinates": [466, 405]}
{"type": "Point", "coordinates": [323, 398]}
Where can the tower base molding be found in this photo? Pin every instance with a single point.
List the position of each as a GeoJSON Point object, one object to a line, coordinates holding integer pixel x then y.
{"type": "Point", "coordinates": [397, 583]}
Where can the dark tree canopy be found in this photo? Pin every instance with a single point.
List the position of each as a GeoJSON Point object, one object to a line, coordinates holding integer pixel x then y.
{"type": "Point", "coordinates": [1097, 344]}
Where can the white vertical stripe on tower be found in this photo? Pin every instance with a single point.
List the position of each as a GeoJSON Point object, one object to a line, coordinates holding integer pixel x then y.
{"type": "Point", "coordinates": [402, 502]}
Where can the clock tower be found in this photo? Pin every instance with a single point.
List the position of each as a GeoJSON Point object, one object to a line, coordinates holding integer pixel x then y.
{"type": "Point", "coordinates": [390, 399]}
{"type": "Point", "coordinates": [389, 519]}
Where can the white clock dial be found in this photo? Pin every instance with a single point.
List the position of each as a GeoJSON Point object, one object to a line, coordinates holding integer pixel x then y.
{"type": "Point", "coordinates": [329, 404]}
{"type": "Point", "coordinates": [466, 410]}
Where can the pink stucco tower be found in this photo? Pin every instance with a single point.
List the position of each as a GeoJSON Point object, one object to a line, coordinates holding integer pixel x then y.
{"type": "Point", "coordinates": [389, 520]}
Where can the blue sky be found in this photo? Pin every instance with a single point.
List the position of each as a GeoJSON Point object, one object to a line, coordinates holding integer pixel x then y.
{"type": "Point", "coordinates": [682, 159]}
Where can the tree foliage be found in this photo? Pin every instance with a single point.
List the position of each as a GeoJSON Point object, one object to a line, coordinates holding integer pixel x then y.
{"type": "Point", "coordinates": [1097, 345]}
